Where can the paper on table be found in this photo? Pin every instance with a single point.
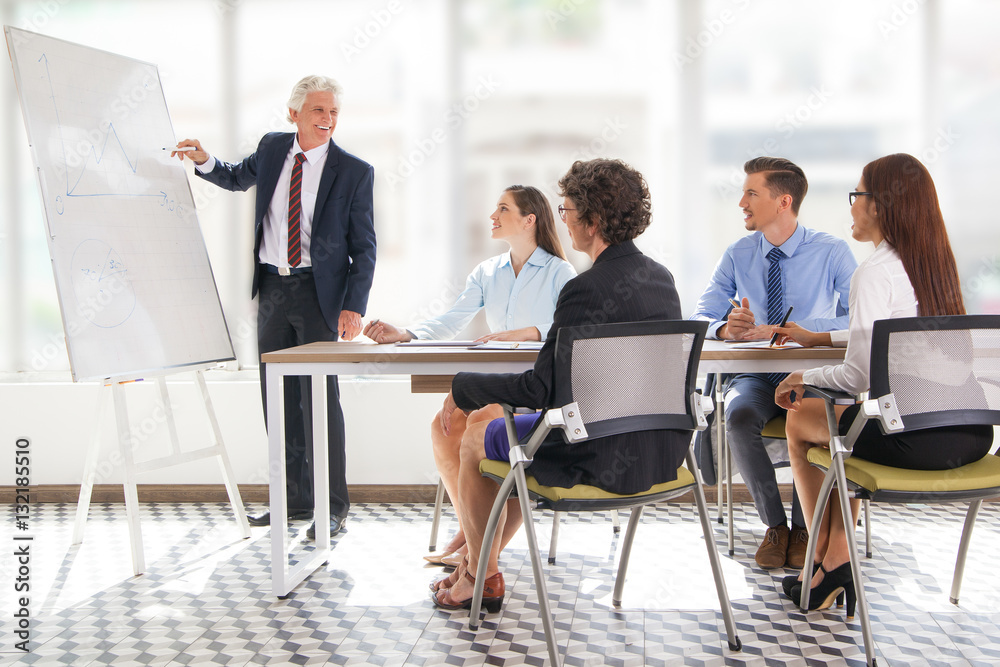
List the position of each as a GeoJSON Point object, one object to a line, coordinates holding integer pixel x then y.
{"type": "Point", "coordinates": [438, 343]}
{"type": "Point", "coordinates": [740, 344]}
{"type": "Point", "coordinates": [510, 345]}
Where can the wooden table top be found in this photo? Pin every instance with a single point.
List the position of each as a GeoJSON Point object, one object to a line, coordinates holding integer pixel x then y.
{"type": "Point", "coordinates": [361, 352]}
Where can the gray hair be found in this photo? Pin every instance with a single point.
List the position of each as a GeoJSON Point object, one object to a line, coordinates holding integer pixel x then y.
{"type": "Point", "coordinates": [312, 84]}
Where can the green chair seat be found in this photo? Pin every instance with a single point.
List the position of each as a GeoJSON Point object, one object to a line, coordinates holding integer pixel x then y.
{"type": "Point", "coordinates": [874, 478]}
{"type": "Point", "coordinates": [499, 470]}
{"type": "Point", "coordinates": [774, 428]}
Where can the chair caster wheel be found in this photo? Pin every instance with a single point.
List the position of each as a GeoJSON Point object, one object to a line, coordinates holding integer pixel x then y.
{"type": "Point", "coordinates": [738, 646]}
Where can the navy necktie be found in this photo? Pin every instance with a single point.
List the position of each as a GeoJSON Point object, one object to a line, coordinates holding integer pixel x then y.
{"type": "Point", "coordinates": [775, 302]}
{"type": "Point", "coordinates": [295, 211]}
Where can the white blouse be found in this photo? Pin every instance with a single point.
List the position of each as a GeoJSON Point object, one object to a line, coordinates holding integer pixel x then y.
{"type": "Point", "coordinates": [880, 289]}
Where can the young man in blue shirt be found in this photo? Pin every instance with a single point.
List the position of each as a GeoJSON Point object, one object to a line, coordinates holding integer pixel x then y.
{"type": "Point", "coordinates": [780, 265]}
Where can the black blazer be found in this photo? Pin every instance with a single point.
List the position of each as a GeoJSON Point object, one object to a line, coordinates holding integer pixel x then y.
{"type": "Point", "coordinates": [342, 243]}
{"type": "Point", "coordinates": [623, 286]}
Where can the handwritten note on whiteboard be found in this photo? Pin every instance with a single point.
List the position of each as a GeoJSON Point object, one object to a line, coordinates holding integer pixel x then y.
{"type": "Point", "coordinates": [132, 272]}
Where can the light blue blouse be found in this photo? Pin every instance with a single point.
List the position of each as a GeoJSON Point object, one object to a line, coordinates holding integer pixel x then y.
{"type": "Point", "coordinates": [529, 299]}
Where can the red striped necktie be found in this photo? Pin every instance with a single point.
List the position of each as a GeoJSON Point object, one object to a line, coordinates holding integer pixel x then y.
{"type": "Point", "coordinates": [295, 211]}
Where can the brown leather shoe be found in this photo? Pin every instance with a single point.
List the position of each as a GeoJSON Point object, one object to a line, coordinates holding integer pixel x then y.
{"type": "Point", "coordinates": [493, 592]}
{"type": "Point", "coordinates": [773, 549]}
{"type": "Point", "coordinates": [798, 540]}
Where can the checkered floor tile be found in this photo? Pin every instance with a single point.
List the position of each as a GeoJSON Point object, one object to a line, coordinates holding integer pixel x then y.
{"type": "Point", "coordinates": [205, 597]}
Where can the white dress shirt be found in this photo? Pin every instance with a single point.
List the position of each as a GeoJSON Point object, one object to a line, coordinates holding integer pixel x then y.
{"type": "Point", "coordinates": [274, 243]}
{"type": "Point", "coordinates": [880, 289]}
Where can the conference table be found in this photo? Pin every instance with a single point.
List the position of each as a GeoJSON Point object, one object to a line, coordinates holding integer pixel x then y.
{"type": "Point", "coordinates": [431, 370]}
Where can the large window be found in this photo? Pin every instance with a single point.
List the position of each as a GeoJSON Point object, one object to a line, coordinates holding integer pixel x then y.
{"type": "Point", "coordinates": [452, 101]}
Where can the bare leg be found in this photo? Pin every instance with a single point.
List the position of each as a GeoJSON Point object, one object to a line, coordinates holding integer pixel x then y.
{"type": "Point", "coordinates": [807, 428]}
{"type": "Point", "coordinates": [837, 552]}
{"type": "Point", "coordinates": [509, 524]}
{"type": "Point", "coordinates": [446, 456]}
{"type": "Point", "coordinates": [513, 522]}
{"type": "Point", "coordinates": [477, 495]}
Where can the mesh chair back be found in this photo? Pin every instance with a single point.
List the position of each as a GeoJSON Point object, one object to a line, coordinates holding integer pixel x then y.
{"type": "Point", "coordinates": [943, 371]}
{"type": "Point", "coordinates": [630, 376]}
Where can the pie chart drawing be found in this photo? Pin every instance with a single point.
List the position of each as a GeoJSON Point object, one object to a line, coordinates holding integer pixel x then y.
{"type": "Point", "coordinates": [105, 295]}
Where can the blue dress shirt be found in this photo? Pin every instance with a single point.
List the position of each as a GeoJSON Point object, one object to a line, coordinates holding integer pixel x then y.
{"type": "Point", "coordinates": [815, 277]}
{"type": "Point", "coordinates": [511, 302]}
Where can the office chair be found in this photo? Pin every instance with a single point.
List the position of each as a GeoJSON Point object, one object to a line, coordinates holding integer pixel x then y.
{"type": "Point", "coordinates": [926, 372]}
{"type": "Point", "coordinates": [773, 430]}
{"type": "Point", "coordinates": [601, 395]}
{"type": "Point", "coordinates": [553, 539]}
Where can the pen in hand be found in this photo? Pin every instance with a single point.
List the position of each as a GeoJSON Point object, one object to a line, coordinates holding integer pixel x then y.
{"type": "Point", "coordinates": [736, 304]}
{"type": "Point", "coordinates": [784, 321]}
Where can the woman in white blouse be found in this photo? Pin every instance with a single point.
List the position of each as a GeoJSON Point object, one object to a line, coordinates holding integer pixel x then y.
{"type": "Point", "coordinates": [911, 273]}
{"type": "Point", "coordinates": [518, 289]}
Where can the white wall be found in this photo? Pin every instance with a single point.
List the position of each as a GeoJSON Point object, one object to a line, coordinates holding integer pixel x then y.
{"type": "Point", "coordinates": [388, 439]}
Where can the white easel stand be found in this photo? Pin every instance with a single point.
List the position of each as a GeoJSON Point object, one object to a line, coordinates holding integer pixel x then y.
{"type": "Point", "coordinates": [176, 457]}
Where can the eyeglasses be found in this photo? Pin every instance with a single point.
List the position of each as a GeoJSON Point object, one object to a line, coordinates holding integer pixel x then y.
{"type": "Point", "coordinates": [562, 212]}
{"type": "Point", "coordinates": [851, 196]}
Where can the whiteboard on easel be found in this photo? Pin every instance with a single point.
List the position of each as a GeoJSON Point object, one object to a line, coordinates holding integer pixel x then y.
{"type": "Point", "coordinates": [132, 272]}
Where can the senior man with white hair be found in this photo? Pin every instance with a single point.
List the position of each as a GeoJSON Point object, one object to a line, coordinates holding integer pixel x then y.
{"type": "Point", "coordinates": [314, 260]}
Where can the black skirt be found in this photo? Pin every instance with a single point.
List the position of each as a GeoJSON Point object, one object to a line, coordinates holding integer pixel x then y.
{"type": "Point", "coordinates": [928, 449]}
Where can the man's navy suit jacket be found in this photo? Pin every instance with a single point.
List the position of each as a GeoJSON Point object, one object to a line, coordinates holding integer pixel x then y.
{"type": "Point", "coordinates": [342, 243]}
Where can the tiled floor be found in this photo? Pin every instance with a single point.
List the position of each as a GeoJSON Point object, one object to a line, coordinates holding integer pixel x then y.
{"type": "Point", "coordinates": [206, 600]}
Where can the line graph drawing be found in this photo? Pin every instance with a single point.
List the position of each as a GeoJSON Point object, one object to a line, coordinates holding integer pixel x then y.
{"type": "Point", "coordinates": [98, 157]}
{"type": "Point", "coordinates": [92, 153]}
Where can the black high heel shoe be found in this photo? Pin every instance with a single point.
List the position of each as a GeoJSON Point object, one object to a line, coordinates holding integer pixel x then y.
{"type": "Point", "coordinates": [837, 584]}
{"type": "Point", "coordinates": [792, 580]}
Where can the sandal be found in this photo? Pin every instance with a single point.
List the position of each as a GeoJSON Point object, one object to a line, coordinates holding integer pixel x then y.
{"type": "Point", "coordinates": [493, 592]}
{"type": "Point", "coordinates": [451, 579]}
{"type": "Point", "coordinates": [438, 558]}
